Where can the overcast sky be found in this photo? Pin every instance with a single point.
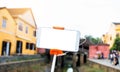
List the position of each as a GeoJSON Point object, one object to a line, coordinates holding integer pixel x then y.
{"type": "Point", "coordinates": [90, 17]}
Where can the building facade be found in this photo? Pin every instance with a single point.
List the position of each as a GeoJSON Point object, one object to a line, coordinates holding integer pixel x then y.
{"type": "Point", "coordinates": [17, 31]}
{"type": "Point", "coordinates": [96, 51]}
{"type": "Point", "coordinates": [113, 32]}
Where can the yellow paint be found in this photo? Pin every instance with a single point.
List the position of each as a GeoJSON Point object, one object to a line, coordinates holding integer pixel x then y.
{"type": "Point", "coordinates": [12, 34]}
{"type": "Point", "coordinates": [110, 36]}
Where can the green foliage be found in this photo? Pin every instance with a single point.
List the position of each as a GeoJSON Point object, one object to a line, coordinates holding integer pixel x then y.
{"type": "Point", "coordinates": [116, 45]}
{"type": "Point", "coordinates": [93, 39]}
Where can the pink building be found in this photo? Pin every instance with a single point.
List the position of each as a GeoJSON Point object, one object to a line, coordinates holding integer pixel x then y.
{"type": "Point", "coordinates": [95, 51]}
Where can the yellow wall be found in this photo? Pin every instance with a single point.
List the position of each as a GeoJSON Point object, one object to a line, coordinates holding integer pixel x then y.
{"type": "Point", "coordinates": [12, 34]}
{"type": "Point", "coordinates": [8, 38]}
{"type": "Point", "coordinates": [110, 36]}
{"type": "Point", "coordinates": [8, 33]}
{"type": "Point", "coordinates": [25, 37]}
{"type": "Point", "coordinates": [11, 26]}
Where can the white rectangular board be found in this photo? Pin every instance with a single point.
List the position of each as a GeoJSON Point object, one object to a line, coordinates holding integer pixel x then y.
{"type": "Point", "coordinates": [66, 40]}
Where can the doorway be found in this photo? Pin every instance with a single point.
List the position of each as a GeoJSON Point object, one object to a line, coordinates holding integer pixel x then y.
{"type": "Point", "coordinates": [6, 46]}
{"type": "Point", "coordinates": [19, 47]}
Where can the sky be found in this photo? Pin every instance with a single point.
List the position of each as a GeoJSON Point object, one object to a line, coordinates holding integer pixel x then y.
{"type": "Point", "coordinates": [90, 17]}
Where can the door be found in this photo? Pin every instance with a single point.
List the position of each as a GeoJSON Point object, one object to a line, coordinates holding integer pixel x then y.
{"type": "Point", "coordinates": [19, 47]}
{"type": "Point", "coordinates": [6, 46]}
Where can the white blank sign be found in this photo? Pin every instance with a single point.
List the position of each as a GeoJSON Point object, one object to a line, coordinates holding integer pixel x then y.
{"type": "Point", "coordinates": [66, 40]}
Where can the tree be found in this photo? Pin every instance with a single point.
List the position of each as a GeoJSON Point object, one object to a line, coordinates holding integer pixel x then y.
{"type": "Point", "coordinates": [116, 45]}
{"type": "Point", "coordinates": [94, 40]}
{"type": "Point", "coordinates": [89, 40]}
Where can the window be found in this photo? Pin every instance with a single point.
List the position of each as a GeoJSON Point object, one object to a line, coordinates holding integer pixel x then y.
{"type": "Point", "coordinates": [32, 46]}
{"type": "Point", "coordinates": [20, 27]}
{"type": "Point", "coordinates": [27, 45]}
{"type": "Point", "coordinates": [26, 30]}
{"type": "Point", "coordinates": [34, 33]}
{"type": "Point", "coordinates": [4, 22]}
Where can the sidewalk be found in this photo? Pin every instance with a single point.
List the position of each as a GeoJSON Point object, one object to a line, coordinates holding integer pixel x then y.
{"type": "Point", "coordinates": [106, 62]}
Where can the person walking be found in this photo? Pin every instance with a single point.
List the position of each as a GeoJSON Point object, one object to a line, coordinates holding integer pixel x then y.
{"type": "Point", "coordinates": [115, 61]}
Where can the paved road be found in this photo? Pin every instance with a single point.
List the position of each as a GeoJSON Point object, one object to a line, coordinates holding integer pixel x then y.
{"type": "Point", "coordinates": [106, 62]}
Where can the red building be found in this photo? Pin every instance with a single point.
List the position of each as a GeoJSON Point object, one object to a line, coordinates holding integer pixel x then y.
{"type": "Point", "coordinates": [95, 51]}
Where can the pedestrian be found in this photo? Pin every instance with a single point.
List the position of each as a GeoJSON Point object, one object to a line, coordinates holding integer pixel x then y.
{"type": "Point", "coordinates": [115, 61]}
{"type": "Point", "coordinates": [102, 56]}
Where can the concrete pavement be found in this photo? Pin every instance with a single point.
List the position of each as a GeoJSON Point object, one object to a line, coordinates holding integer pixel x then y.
{"type": "Point", "coordinates": [106, 62]}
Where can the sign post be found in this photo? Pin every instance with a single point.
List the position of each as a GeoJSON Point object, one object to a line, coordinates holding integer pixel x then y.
{"type": "Point", "coordinates": [53, 63]}
{"type": "Point", "coordinates": [54, 52]}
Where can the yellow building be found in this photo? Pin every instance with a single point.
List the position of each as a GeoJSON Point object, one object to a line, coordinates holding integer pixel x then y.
{"type": "Point", "coordinates": [113, 32]}
{"type": "Point", "coordinates": [17, 31]}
